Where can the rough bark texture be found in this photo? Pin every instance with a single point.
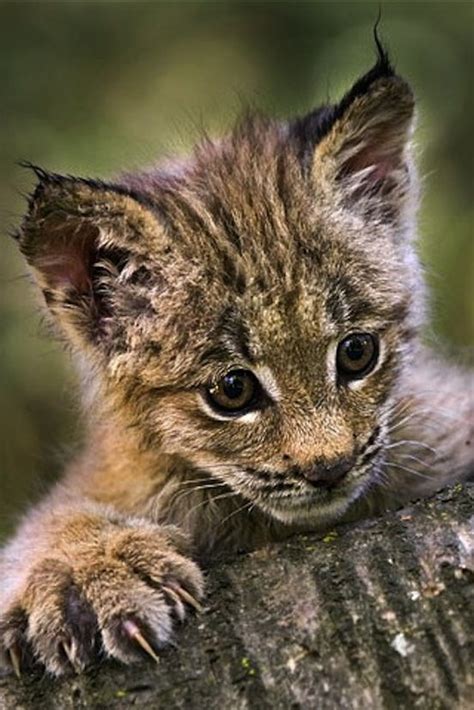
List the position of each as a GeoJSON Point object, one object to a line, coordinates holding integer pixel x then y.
{"type": "Point", "coordinates": [374, 615]}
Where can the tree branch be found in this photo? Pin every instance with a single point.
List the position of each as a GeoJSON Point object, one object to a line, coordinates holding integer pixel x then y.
{"type": "Point", "coordinates": [374, 615]}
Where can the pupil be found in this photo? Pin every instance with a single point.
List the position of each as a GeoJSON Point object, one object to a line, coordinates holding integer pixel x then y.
{"type": "Point", "coordinates": [355, 348]}
{"type": "Point", "coordinates": [233, 386]}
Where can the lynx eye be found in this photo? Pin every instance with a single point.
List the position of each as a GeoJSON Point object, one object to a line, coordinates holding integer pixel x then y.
{"type": "Point", "coordinates": [235, 393]}
{"type": "Point", "coordinates": [357, 355]}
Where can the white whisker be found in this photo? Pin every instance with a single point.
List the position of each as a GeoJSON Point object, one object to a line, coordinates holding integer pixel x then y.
{"type": "Point", "coordinates": [391, 464]}
{"type": "Point", "coordinates": [411, 442]}
{"type": "Point", "coordinates": [181, 494]}
{"type": "Point", "coordinates": [247, 505]}
{"type": "Point", "coordinates": [208, 501]}
{"type": "Point", "coordinates": [416, 460]}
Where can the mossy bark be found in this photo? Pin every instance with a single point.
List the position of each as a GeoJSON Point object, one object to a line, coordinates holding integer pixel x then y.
{"type": "Point", "coordinates": [374, 615]}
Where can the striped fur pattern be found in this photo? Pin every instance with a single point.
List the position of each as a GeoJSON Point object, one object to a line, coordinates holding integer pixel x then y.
{"type": "Point", "coordinates": [261, 252]}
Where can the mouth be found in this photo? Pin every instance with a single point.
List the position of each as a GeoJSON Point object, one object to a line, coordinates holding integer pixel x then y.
{"type": "Point", "coordinates": [315, 506]}
{"type": "Point", "coordinates": [293, 500]}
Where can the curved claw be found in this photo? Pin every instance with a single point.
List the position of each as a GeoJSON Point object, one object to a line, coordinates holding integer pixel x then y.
{"type": "Point", "coordinates": [14, 654]}
{"type": "Point", "coordinates": [186, 597]}
{"type": "Point", "coordinates": [134, 633]}
{"type": "Point", "coordinates": [179, 606]}
{"type": "Point", "coordinates": [67, 649]}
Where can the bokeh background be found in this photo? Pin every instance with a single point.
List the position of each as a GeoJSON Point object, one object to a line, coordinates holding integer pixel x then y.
{"type": "Point", "coordinates": [92, 88]}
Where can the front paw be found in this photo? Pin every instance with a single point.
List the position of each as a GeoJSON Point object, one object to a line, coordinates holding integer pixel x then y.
{"type": "Point", "coordinates": [115, 594]}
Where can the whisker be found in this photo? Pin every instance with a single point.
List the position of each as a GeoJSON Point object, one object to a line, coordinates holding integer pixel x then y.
{"type": "Point", "coordinates": [416, 460]}
{"type": "Point", "coordinates": [211, 467]}
{"type": "Point", "coordinates": [397, 423]}
{"type": "Point", "coordinates": [411, 442]}
{"type": "Point", "coordinates": [180, 495]}
{"type": "Point", "coordinates": [391, 464]}
{"type": "Point", "coordinates": [208, 501]}
{"type": "Point", "coordinates": [197, 489]}
{"type": "Point", "coordinates": [211, 480]}
{"type": "Point", "coordinates": [401, 422]}
{"type": "Point", "coordinates": [432, 413]}
{"type": "Point", "coordinates": [399, 408]}
{"type": "Point", "coordinates": [247, 505]}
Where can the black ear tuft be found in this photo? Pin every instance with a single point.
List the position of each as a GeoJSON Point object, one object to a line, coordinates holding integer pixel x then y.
{"type": "Point", "coordinates": [382, 52]}
{"type": "Point", "coordinates": [50, 178]}
{"type": "Point", "coordinates": [42, 174]}
{"type": "Point", "coordinates": [358, 149]}
{"type": "Point", "coordinates": [382, 69]}
{"type": "Point", "coordinates": [310, 129]}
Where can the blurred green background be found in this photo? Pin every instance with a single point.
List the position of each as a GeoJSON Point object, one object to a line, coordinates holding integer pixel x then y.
{"type": "Point", "coordinates": [92, 88]}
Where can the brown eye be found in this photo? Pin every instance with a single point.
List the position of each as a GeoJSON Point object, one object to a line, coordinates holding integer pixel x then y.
{"type": "Point", "coordinates": [357, 355]}
{"type": "Point", "coordinates": [235, 393]}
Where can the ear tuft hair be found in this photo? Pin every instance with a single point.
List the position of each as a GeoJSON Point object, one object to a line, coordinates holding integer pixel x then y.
{"type": "Point", "coordinates": [312, 128]}
{"type": "Point", "coordinates": [358, 149]}
{"type": "Point", "coordinates": [51, 178]}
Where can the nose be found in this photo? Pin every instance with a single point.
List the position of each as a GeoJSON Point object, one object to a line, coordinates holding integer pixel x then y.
{"type": "Point", "coordinates": [327, 474]}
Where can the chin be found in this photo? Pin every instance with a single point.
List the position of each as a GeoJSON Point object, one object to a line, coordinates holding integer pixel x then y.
{"type": "Point", "coordinates": [316, 509]}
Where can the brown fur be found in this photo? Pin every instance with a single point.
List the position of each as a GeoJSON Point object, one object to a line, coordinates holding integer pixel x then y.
{"type": "Point", "coordinates": [261, 252]}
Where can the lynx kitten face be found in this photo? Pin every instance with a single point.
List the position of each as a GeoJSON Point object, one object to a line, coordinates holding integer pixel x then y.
{"type": "Point", "coordinates": [250, 310]}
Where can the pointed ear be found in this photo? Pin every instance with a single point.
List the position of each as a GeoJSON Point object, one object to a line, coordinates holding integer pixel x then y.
{"type": "Point", "coordinates": [362, 152]}
{"type": "Point", "coordinates": [78, 236]}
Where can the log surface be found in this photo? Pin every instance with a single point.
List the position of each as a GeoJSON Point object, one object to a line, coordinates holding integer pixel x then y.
{"type": "Point", "coordinates": [379, 614]}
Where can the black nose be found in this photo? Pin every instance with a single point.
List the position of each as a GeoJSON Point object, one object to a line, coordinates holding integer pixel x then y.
{"type": "Point", "coordinates": [326, 474]}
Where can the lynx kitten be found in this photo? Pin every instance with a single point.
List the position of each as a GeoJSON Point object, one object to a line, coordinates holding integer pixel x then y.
{"type": "Point", "coordinates": [247, 327]}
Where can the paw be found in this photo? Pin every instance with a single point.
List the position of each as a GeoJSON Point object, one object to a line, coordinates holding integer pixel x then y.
{"type": "Point", "coordinates": [115, 594]}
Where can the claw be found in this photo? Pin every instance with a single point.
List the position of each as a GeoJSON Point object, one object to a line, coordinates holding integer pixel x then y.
{"type": "Point", "coordinates": [14, 654]}
{"type": "Point", "coordinates": [134, 633]}
{"type": "Point", "coordinates": [180, 611]}
{"type": "Point", "coordinates": [186, 597]}
{"type": "Point", "coordinates": [67, 648]}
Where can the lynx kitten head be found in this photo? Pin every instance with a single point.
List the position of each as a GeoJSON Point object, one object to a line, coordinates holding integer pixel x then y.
{"type": "Point", "coordinates": [249, 310]}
